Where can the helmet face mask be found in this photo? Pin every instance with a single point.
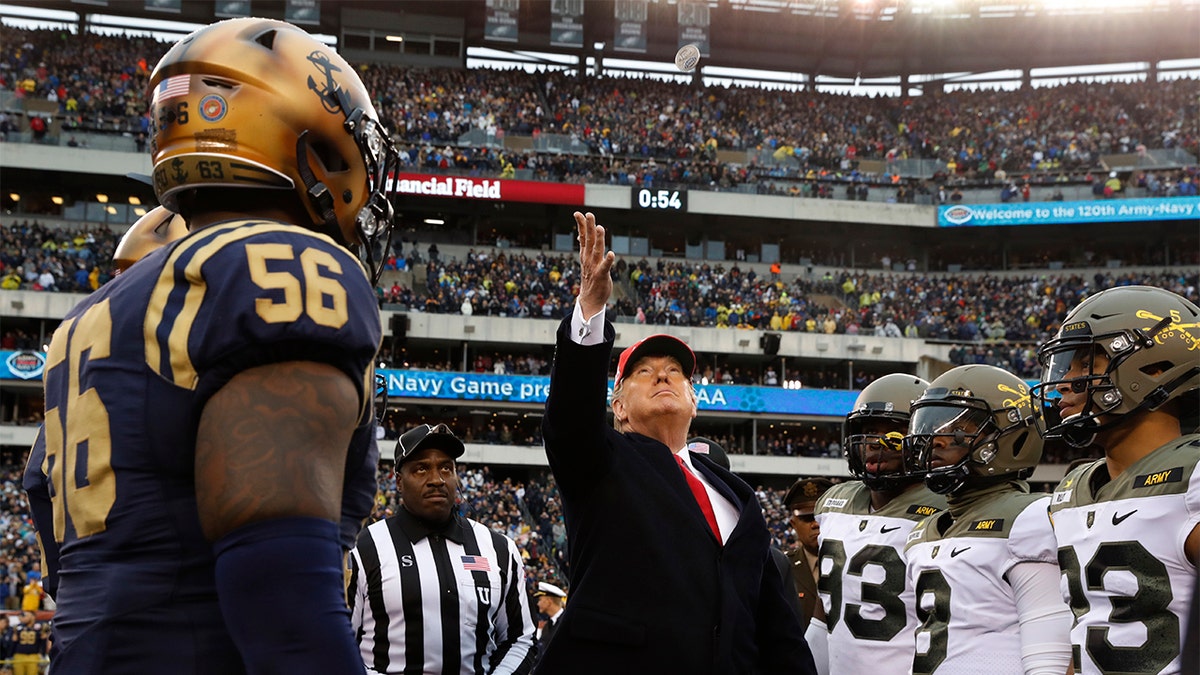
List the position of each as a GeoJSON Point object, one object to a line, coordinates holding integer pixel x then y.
{"type": "Point", "coordinates": [974, 426]}
{"type": "Point", "coordinates": [261, 104]}
{"type": "Point", "coordinates": [873, 433]}
{"type": "Point", "coordinates": [1121, 351]}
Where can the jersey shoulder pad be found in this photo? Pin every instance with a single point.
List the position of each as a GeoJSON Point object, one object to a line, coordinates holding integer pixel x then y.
{"type": "Point", "coordinates": [996, 516]}
{"type": "Point", "coordinates": [848, 497]}
{"type": "Point", "coordinates": [915, 504]}
{"type": "Point", "coordinates": [925, 530]}
{"type": "Point", "coordinates": [262, 285]}
{"type": "Point", "coordinates": [1167, 470]}
{"type": "Point", "coordinates": [1073, 488]}
{"type": "Point", "coordinates": [1031, 535]}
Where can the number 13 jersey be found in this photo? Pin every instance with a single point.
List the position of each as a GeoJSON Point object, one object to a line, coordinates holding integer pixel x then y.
{"type": "Point", "coordinates": [1120, 547]}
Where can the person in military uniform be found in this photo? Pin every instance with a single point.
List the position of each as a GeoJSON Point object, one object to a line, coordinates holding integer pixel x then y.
{"type": "Point", "coordinates": [985, 570]}
{"type": "Point", "coordinates": [550, 600]}
{"type": "Point", "coordinates": [800, 502]}
{"type": "Point", "coordinates": [1120, 377]}
{"type": "Point", "coordinates": [865, 523]}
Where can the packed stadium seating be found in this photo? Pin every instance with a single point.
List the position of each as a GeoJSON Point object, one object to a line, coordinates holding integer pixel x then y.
{"type": "Point", "coordinates": [644, 131]}
{"type": "Point", "coordinates": [987, 144]}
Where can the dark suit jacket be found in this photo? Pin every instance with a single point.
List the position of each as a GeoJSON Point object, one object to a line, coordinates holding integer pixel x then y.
{"type": "Point", "coordinates": [806, 585]}
{"type": "Point", "coordinates": [652, 591]}
{"type": "Point", "coordinates": [784, 566]}
{"type": "Point", "coordinates": [548, 632]}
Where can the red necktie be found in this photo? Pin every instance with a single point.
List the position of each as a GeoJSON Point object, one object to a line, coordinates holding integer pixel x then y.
{"type": "Point", "coordinates": [701, 496]}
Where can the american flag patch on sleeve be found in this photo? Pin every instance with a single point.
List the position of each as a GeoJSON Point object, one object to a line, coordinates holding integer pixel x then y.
{"type": "Point", "coordinates": [476, 563]}
{"type": "Point", "coordinates": [172, 87]}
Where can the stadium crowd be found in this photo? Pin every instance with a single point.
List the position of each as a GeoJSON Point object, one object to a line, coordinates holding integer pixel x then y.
{"type": "Point", "coordinates": [650, 132]}
{"type": "Point", "coordinates": [997, 318]}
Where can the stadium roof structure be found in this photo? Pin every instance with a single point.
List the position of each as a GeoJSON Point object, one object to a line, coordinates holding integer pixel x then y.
{"type": "Point", "coordinates": [867, 39]}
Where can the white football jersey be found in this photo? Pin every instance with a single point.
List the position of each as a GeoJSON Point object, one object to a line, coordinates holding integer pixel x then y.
{"type": "Point", "coordinates": [966, 611]}
{"type": "Point", "coordinates": [864, 587]}
{"type": "Point", "coordinates": [1120, 547]}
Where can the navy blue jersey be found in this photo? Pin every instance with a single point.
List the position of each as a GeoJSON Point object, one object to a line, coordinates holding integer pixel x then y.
{"type": "Point", "coordinates": [127, 376]}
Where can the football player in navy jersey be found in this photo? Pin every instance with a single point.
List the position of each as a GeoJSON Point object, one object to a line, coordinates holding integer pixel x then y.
{"type": "Point", "coordinates": [207, 410]}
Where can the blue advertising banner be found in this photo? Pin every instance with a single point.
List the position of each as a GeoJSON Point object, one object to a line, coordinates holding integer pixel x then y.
{"type": "Point", "coordinates": [1047, 213]}
{"type": "Point", "coordinates": [533, 389]}
{"type": "Point", "coordinates": [437, 385]}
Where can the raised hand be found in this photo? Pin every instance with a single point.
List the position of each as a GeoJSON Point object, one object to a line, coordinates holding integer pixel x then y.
{"type": "Point", "coordinates": [596, 262]}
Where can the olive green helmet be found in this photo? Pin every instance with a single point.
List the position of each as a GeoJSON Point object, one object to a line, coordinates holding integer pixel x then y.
{"type": "Point", "coordinates": [877, 424]}
{"type": "Point", "coordinates": [1150, 338]}
{"type": "Point", "coordinates": [987, 412]}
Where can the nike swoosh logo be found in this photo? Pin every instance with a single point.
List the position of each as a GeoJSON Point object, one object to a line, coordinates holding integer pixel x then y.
{"type": "Point", "coordinates": [959, 550]}
{"type": "Point", "coordinates": [885, 529]}
{"type": "Point", "coordinates": [1118, 521]}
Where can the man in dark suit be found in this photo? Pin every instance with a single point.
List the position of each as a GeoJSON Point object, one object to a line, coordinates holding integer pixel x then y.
{"type": "Point", "coordinates": [783, 564]}
{"type": "Point", "coordinates": [670, 561]}
{"type": "Point", "coordinates": [800, 501]}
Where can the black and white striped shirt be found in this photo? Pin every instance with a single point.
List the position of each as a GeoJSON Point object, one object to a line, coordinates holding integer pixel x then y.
{"type": "Point", "coordinates": [449, 600]}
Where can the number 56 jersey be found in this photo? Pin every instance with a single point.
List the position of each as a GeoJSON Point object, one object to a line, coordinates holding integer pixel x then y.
{"type": "Point", "coordinates": [128, 374]}
{"type": "Point", "coordinates": [869, 605]}
{"type": "Point", "coordinates": [1121, 550]}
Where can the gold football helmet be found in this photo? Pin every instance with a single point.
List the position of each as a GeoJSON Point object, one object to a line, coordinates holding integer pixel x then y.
{"type": "Point", "coordinates": [257, 103]}
{"type": "Point", "coordinates": [152, 231]}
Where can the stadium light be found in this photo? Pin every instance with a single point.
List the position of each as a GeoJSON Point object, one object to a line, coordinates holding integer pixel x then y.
{"type": "Point", "coordinates": [102, 198]}
{"type": "Point", "coordinates": [133, 199]}
{"type": "Point", "coordinates": [395, 38]}
{"type": "Point", "coordinates": [14, 196]}
{"type": "Point", "coordinates": [434, 221]}
{"type": "Point", "coordinates": [57, 200]}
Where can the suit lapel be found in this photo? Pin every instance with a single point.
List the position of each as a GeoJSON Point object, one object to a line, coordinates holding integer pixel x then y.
{"type": "Point", "coordinates": [704, 466]}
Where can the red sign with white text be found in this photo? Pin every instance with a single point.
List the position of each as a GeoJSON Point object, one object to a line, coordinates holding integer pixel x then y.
{"type": "Point", "coordinates": [488, 189]}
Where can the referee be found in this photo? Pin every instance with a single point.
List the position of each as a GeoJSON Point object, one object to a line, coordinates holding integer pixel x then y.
{"type": "Point", "coordinates": [430, 590]}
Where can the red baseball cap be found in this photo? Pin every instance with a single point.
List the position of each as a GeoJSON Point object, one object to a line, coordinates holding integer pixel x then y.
{"type": "Point", "coordinates": [657, 345]}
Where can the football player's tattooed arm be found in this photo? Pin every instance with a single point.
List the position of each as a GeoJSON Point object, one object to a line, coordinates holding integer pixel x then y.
{"type": "Point", "coordinates": [272, 444]}
{"type": "Point", "coordinates": [270, 454]}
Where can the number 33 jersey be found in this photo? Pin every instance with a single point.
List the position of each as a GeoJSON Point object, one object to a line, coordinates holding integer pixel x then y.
{"type": "Point", "coordinates": [1120, 547]}
{"type": "Point", "coordinates": [966, 610]}
{"type": "Point", "coordinates": [868, 602]}
{"type": "Point", "coordinates": [128, 374]}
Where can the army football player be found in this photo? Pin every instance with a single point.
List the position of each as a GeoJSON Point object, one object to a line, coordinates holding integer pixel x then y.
{"type": "Point", "coordinates": [1118, 377]}
{"type": "Point", "coordinates": [202, 408]}
{"type": "Point", "coordinates": [869, 608]}
{"type": "Point", "coordinates": [985, 570]}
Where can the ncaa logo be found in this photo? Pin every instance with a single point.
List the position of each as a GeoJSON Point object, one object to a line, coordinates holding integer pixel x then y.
{"type": "Point", "coordinates": [959, 215]}
{"type": "Point", "coordinates": [213, 108]}
{"type": "Point", "coordinates": [26, 365]}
